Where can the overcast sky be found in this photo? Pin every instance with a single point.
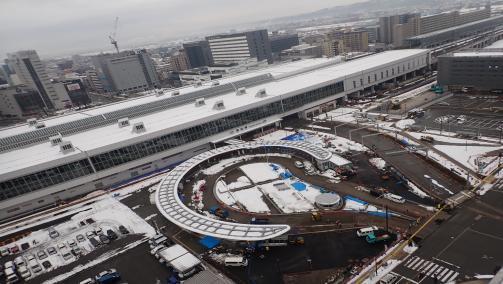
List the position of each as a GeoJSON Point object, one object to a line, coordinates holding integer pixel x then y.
{"type": "Point", "coordinates": [61, 27]}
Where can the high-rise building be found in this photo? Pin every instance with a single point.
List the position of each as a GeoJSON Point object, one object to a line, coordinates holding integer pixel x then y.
{"type": "Point", "coordinates": [128, 71]}
{"type": "Point", "coordinates": [332, 47]}
{"type": "Point", "coordinates": [198, 53]}
{"type": "Point", "coordinates": [179, 61]}
{"type": "Point", "coordinates": [236, 47]}
{"type": "Point", "coordinates": [394, 29]}
{"type": "Point", "coordinates": [20, 101]}
{"type": "Point", "coordinates": [450, 19]}
{"type": "Point", "coordinates": [32, 73]}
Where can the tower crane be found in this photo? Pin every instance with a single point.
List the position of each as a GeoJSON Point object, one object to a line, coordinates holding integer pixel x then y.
{"type": "Point", "coordinates": [113, 34]}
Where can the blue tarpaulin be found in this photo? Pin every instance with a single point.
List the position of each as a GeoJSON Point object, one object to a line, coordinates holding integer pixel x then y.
{"type": "Point", "coordinates": [295, 137]}
{"type": "Point", "coordinates": [286, 175]}
{"type": "Point", "coordinates": [209, 242]}
{"type": "Point", "coordinates": [274, 167]}
{"type": "Point", "coordinates": [299, 186]}
{"type": "Point", "coordinates": [355, 199]}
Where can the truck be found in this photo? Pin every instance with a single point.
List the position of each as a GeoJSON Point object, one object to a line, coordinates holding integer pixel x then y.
{"type": "Point", "coordinates": [180, 260]}
{"type": "Point", "coordinates": [373, 238]}
{"type": "Point", "coordinates": [219, 212]}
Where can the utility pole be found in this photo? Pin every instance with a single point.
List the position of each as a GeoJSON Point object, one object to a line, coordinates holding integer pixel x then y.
{"type": "Point", "coordinates": [387, 219]}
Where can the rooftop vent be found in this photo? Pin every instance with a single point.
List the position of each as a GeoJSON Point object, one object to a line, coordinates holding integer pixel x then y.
{"type": "Point", "coordinates": [123, 122]}
{"type": "Point", "coordinates": [200, 102]}
{"type": "Point", "coordinates": [32, 121]}
{"type": "Point", "coordinates": [56, 139]}
{"type": "Point", "coordinates": [139, 127]}
{"type": "Point", "coordinates": [175, 93]}
{"type": "Point", "coordinates": [39, 125]}
{"type": "Point", "coordinates": [215, 83]}
{"type": "Point", "coordinates": [66, 147]}
{"type": "Point", "coordinates": [261, 93]}
{"type": "Point", "coordinates": [159, 93]}
{"type": "Point", "coordinates": [219, 105]}
{"type": "Point", "coordinates": [241, 91]}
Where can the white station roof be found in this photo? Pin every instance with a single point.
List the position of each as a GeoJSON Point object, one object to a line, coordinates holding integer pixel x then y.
{"type": "Point", "coordinates": [288, 79]}
{"type": "Point", "coordinates": [169, 204]}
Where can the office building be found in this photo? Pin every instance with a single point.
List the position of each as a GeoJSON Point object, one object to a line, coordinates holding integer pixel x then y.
{"type": "Point", "coordinates": [102, 147]}
{"type": "Point", "coordinates": [280, 42]}
{"type": "Point", "coordinates": [238, 47]}
{"type": "Point", "coordinates": [128, 71]}
{"type": "Point", "coordinates": [198, 53]}
{"type": "Point", "coordinates": [20, 101]}
{"type": "Point", "coordinates": [32, 73]}
{"type": "Point", "coordinates": [301, 51]}
{"type": "Point", "coordinates": [332, 47]}
{"type": "Point", "coordinates": [450, 19]}
{"type": "Point", "coordinates": [480, 69]}
{"type": "Point", "coordinates": [392, 29]}
{"type": "Point", "coordinates": [353, 40]}
{"type": "Point", "coordinates": [373, 33]}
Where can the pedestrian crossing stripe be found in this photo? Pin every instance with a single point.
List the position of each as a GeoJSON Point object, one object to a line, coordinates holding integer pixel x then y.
{"type": "Point", "coordinates": [431, 269]}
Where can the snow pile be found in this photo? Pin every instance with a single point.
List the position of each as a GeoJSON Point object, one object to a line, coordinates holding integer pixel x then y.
{"type": "Point", "coordinates": [354, 204]}
{"type": "Point", "coordinates": [414, 189]}
{"type": "Point", "coordinates": [225, 163]}
{"type": "Point", "coordinates": [338, 144]}
{"type": "Point", "coordinates": [484, 188]}
{"type": "Point", "coordinates": [451, 166]}
{"type": "Point", "coordinates": [251, 199]}
{"type": "Point", "coordinates": [378, 163]}
{"type": "Point", "coordinates": [288, 201]}
{"type": "Point", "coordinates": [223, 193]}
{"type": "Point", "coordinates": [438, 185]}
{"type": "Point", "coordinates": [197, 194]}
{"type": "Point", "coordinates": [410, 248]}
{"type": "Point", "coordinates": [276, 135]}
{"type": "Point", "coordinates": [313, 126]}
{"type": "Point", "coordinates": [259, 172]}
{"type": "Point", "coordinates": [404, 123]}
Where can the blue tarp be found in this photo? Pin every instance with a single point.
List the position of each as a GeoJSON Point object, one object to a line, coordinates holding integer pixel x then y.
{"type": "Point", "coordinates": [295, 137]}
{"type": "Point", "coordinates": [286, 175]}
{"type": "Point", "coordinates": [209, 242]}
{"type": "Point", "coordinates": [355, 199]}
{"type": "Point", "coordinates": [299, 186]}
{"type": "Point", "coordinates": [274, 167]}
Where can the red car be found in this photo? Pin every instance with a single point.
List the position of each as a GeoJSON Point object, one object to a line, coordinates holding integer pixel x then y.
{"type": "Point", "coordinates": [14, 249]}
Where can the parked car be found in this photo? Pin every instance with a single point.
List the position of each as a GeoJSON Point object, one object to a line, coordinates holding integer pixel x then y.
{"type": "Point", "coordinates": [4, 251]}
{"type": "Point", "coordinates": [71, 243]}
{"type": "Point", "coordinates": [111, 234]}
{"type": "Point", "coordinates": [66, 254]}
{"type": "Point", "coordinates": [11, 276]}
{"type": "Point", "coordinates": [123, 230]}
{"type": "Point", "coordinates": [51, 250]}
{"type": "Point", "coordinates": [107, 276]}
{"type": "Point", "coordinates": [61, 246]}
{"type": "Point", "coordinates": [9, 264]}
{"type": "Point", "coordinates": [98, 230]}
{"type": "Point", "coordinates": [14, 249]}
{"type": "Point", "coordinates": [41, 255]}
{"type": "Point", "coordinates": [46, 264]}
{"type": "Point", "coordinates": [90, 234]}
{"type": "Point", "coordinates": [53, 233]}
{"type": "Point", "coordinates": [104, 239]}
{"type": "Point", "coordinates": [29, 257]}
{"type": "Point", "coordinates": [76, 251]}
{"type": "Point", "coordinates": [95, 242]}
{"type": "Point", "coordinates": [35, 266]}
{"type": "Point", "coordinates": [299, 164]}
{"type": "Point", "coordinates": [24, 272]}
{"type": "Point", "coordinates": [19, 261]}
{"type": "Point", "coordinates": [80, 238]}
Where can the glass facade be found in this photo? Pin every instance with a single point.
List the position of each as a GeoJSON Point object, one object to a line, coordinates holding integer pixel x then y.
{"type": "Point", "coordinates": [46, 178]}
{"type": "Point", "coordinates": [42, 179]}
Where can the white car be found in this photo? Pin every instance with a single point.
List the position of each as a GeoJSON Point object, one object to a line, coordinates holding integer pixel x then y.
{"type": "Point", "coordinates": [299, 164]}
{"type": "Point", "coordinates": [24, 272]}
{"type": "Point", "coordinates": [4, 251]}
{"type": "Point", "coordinates": [71, 243]}
{"type": "Point", "coordinates": [19, 261]}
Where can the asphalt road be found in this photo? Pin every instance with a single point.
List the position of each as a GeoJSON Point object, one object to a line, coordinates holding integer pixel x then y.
{"type": "Point", "coordinates": [469, 243]}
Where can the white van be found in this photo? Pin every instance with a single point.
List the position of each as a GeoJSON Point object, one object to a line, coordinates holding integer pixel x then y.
{"type": "Point", "coordinates": [235, 261]}
{"type": "Point", "coordinates": [366, 231]}
{"type": "Point", "coordinates": [394, 197]}
{"type": "Point", "coordinates": [34, 266]}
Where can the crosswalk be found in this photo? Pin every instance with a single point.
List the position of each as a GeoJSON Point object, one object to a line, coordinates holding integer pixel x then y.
{"type": "Point", "coordinates": [429, 268]}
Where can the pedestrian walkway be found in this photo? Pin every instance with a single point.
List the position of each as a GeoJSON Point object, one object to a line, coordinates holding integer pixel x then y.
{"type": "Point", "coordinates": [430, 268]}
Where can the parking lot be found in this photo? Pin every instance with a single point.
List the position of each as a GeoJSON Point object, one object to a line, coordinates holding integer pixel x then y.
{"type": "Point", "coordinates": [481, 115]}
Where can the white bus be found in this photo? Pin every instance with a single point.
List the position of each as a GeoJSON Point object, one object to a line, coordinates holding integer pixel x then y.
{"type": "Point", "coordinates": [235, 261]}
{"type": "Point", "coordinates": [366, 231]}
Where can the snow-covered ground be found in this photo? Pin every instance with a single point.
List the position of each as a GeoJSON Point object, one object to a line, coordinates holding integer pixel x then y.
{"type": "Point", "coordinates": [198, 194]}
{"type": "Point", "coordinates": [404, 123]}
{"type": "Point", "coordinates": [343, 114]}
{"type": "Point", "coordinates": [241, 182]}
{"type": "Point", "coordinates": [107, 213]}
{"type": "Point", "coordinates": [451, 166]}
{"type": "Point", "coordinates": [225, 163]}
{"type": "Point", "coordinates": [438, 185]}
{"type": "Point", "coordinates": [339, 144]}
{"type": "Point", "coordinates": [252, 200]}
{"type": "Point", "coordinates": [259, 172]}
{"type": "Point", "coordinates": [287, 200]}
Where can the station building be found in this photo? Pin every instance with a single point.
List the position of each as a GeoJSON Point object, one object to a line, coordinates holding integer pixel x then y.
{"type": "Point", "coordinates": [50, 160]}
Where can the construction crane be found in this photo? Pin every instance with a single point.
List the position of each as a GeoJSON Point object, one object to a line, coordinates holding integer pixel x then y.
{"type": "Point", "coordinates": [113, 34]}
